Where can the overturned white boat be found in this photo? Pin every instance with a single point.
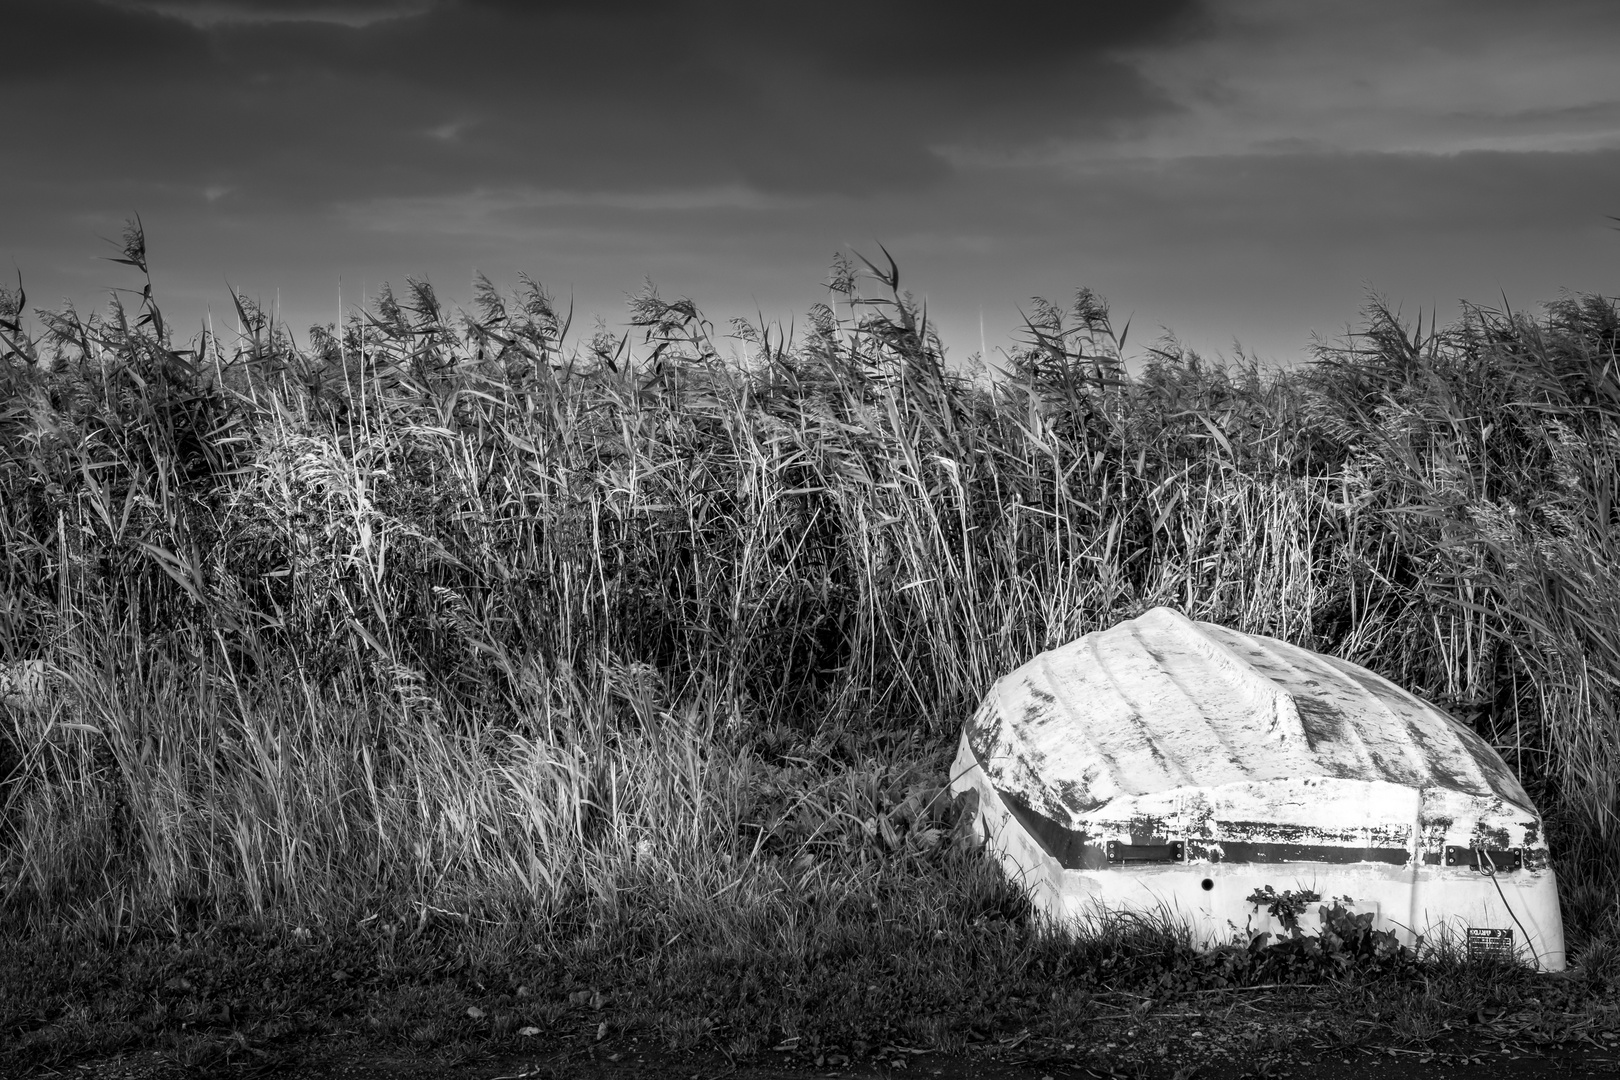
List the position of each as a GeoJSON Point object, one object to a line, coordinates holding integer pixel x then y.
{"type": "Point", "coordinates": [1176, 767]}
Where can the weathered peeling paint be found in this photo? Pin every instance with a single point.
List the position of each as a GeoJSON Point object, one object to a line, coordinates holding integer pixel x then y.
{"type": "Point", "coordinates": [1256, 757]}
{"type": "Point", "coordinates": [1170, 703]}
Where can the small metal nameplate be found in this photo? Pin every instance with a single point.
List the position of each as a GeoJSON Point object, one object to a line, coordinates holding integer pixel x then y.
{"type": "Point", "coordinates": [1484, 943]}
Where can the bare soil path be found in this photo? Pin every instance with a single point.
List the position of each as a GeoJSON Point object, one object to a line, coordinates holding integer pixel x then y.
{"type": "Point", "coordinates": [338, 1059]}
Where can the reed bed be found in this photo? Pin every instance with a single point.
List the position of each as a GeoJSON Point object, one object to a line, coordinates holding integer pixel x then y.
{"type": "Point", "coordinates": [452, 616]}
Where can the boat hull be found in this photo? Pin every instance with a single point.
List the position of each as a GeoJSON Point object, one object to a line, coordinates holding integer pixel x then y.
{"type": "Point", "coordinates": [1419, 898]}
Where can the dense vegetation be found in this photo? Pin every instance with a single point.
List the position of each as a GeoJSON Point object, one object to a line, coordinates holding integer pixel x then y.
{"type": "Point", "coordinates": [438, 620]}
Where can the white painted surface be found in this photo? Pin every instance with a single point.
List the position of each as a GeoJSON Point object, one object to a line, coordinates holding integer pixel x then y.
{"type": "Point", "coordinates": [1245, 747]}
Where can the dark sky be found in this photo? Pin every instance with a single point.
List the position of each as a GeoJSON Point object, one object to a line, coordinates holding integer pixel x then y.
{"type": "Point", "coordinates": [1229, 169]}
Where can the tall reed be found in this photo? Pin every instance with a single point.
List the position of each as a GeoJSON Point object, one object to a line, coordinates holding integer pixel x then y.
{"type": "Point", "coordinates": [441, 605]}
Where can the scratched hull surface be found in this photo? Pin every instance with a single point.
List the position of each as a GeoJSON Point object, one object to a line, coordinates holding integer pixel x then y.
{"type": "Point", "coordinates": [1171, 764]}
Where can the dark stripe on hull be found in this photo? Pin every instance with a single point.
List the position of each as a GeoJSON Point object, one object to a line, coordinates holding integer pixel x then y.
{"type": "Point", "coordinates": [1072, 849]}
{"type": "Point", "coordinates": [1243, 851]}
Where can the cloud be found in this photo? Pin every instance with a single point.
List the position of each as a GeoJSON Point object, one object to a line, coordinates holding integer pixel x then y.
{"type": "Point", "coordinates": [206, 13]}
{"type": "Point", "coordinates": [1194, 152]}
{"type": "Point", "coordinates": [1385, 76]}
{"type": "Point", "coordinates": [56, 41]}
{"type": "Point", "coordinates": [316, 102]}
{"type": "Point", "coordinates": [494, 212]}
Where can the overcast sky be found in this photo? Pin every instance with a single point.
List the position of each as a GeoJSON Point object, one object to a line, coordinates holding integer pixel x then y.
{"type": "Point", "coordinates": [1227, 169]}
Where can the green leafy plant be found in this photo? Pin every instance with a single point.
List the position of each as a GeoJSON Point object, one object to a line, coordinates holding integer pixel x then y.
{"type": "Point", "coordinates": [1286, 906]}
{"type": "Point", "coordinates": [1348, 933]}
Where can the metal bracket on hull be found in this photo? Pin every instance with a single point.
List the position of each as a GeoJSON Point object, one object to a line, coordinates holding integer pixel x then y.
{"type": "Point", "coordinates": [1487, 860]}
{"type": "Point", "coordinates": [1173, 852]}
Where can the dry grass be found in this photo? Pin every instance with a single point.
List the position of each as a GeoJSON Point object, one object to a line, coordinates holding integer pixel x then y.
{"type": "Point", "coordinates": [442, 618]}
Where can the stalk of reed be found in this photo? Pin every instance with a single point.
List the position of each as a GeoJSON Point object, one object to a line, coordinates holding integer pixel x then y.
{"type": "Point", "coordinates": [441, 608]}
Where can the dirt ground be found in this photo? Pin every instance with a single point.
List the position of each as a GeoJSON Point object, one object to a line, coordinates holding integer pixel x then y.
{"type": "Point", "coordinates": [356, 1060]}
{"type": "Point", "coordinates": [1253, 1033]}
